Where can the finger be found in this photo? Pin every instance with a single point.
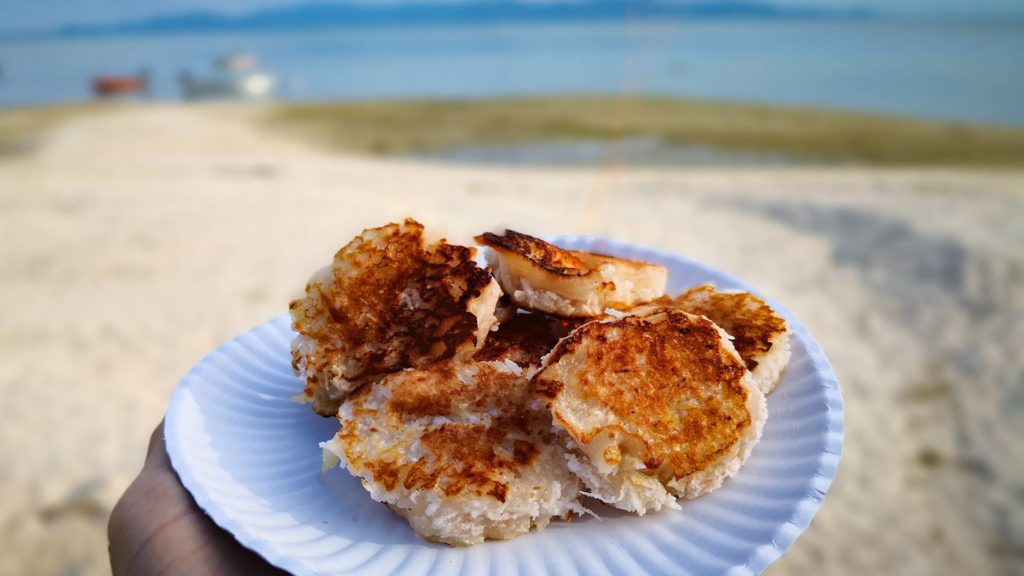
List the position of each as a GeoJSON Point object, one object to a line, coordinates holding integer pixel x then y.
{"type": "Point", "coordinates": [156, 454]}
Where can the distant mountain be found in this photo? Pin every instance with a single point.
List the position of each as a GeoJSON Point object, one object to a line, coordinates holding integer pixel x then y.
{"type": "Point", "coordinates": [331, 15]}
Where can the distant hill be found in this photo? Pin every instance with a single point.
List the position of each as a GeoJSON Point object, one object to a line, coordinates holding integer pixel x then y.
{"type": "Point", "coordinates": [321, 15]}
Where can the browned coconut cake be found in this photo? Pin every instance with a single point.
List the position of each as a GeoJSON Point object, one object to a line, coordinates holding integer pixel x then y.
{"type": "Point", "coordinates": [464, 451]}
{"type": "Point", "coordinates": [760, 334]}
{"type": "Point", "coordinates": [652, 405]}
{"type": "Point", "coordinates": [390, 300]}
{"type": "Point", "coordinates": [545, 278]}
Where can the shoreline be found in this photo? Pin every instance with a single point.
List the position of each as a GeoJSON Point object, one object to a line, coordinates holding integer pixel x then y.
{"type": "Point", "coordinates": [590, 130]}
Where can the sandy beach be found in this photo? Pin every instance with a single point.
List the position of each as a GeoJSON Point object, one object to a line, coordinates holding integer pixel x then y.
{"type": "Point", "coordinates": [134, 241]}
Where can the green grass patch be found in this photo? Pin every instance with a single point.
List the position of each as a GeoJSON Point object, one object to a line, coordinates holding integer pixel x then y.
{"type": "Point", "coordinates": [814, 135]}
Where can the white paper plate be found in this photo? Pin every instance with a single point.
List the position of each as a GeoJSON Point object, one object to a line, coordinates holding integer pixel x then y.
{"type": "Point", "coordinates": [250, 458]}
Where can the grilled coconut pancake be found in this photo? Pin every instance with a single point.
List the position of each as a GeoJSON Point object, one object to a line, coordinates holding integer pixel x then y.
{"type": "Point", "coordinates": [652, 405]}
{"type": "Point", "coordinates": [463, 451]}
{"type": "Point", "coordinates": [389, 301]}
{"type": "Point", "coordinates": [525, 338]}
{"type": "Point", "coordinates": [545, 278]}
{"type": "Point", "coordinates": [759, 334]}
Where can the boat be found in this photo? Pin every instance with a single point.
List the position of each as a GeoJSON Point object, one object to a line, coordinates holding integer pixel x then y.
{"type": "Point", "coordinates": [114, 86]}
{"type": "Point", "coordinates": [237, 77]}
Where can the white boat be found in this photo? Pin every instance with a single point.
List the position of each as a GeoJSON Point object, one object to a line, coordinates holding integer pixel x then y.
{"type": "Point", "coordinates": [237, 77]}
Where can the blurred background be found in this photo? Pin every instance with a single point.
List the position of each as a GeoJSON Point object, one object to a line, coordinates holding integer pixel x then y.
{"type": "Point", "coordinates": [171, 172]}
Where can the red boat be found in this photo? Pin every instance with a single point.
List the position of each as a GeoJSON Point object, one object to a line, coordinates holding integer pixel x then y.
{"type": "Point", "coordinates": [112, 86]}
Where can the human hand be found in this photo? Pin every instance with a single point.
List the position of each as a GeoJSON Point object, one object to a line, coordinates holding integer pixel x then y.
{"type": "Point", "coordinates": [157, 528]}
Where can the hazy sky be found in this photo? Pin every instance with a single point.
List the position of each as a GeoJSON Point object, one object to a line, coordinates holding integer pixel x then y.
{"type": "Point", "coordinates": [42, 14]}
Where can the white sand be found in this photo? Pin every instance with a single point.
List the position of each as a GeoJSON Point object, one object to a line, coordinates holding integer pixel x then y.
{"type": "Point", "coordinates": [134, 242]}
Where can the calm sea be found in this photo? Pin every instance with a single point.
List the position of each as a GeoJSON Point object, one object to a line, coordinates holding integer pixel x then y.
{"type": "Point", "coordinates": [959, 71]}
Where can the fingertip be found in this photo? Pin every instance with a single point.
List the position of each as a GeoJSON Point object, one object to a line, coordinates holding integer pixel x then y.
{"type": "Point", "coordinates": [156, 454]}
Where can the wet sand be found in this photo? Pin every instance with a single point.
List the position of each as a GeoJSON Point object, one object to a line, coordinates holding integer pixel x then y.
{"type": "Point", "coordinates": [135, 241]}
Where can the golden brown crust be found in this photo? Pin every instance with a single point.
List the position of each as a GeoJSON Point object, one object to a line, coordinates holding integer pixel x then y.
{"type": "Point", "coordinates": [550, 257]}
{"type": "Point", "coordinates": [388, 302]}
{"type": "Point", "coordinates": [438, 390]}
{"type": "Point", "coordinates": [525, 338]}
{"type": "Point", "coordinates": [666, 378]}
{"type": "Point", "coordinates": [753, 325]}
{"type": "Point", "coordinates": [541, 277]}
{"type": "Point", "coordinates": [542, 254]}
{"type": "Point", "coordinates": [464, 457]}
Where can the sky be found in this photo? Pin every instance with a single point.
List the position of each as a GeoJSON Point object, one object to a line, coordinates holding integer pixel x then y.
{"type": "Point", "coordinates": [29, 15]}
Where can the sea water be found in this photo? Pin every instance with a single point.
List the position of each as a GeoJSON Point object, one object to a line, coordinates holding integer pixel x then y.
{"type": "Point", "coordinates": [966, 71]}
